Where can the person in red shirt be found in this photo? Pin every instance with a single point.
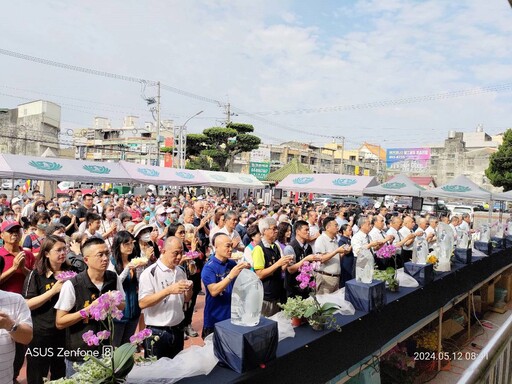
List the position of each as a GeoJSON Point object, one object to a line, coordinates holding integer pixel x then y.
{"type": "Point", "coordinates": [18, 264]}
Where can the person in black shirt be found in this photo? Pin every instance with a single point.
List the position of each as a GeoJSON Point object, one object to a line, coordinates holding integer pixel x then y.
{"type": "Point", "coordinates": [41, 289]}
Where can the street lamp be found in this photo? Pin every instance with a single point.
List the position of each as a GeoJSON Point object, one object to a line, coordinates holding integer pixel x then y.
{"type": "Point", "coordinates": [182, 141]}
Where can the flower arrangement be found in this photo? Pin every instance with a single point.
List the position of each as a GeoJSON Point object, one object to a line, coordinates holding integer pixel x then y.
{"type": "Point", "coordinates": [295, 308]}
{"type": "Point", "coordinates": [387, 251]}
{"type": "Point", "coordinates": [192, 254]}
{"type": "Point", "coordinates": [317, 315]}
{"type": "Point", "coordinates": [113, 368]}
{"type": "Point", "coordinates": [306, 276]}
{"type": "Point", "coordinates": [66, 275]}
{"type": "Point", "coordinates": [432, 259]}
{"type": "Point", "coordinates": [139, 261]}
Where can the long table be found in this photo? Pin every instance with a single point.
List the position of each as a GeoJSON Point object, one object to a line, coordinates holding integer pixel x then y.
{"type": "Point", "coordinates": [317, 357]}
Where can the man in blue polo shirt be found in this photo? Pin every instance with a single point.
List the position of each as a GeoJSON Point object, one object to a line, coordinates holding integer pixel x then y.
{"type": "Point", "coordinates": [218, 276]}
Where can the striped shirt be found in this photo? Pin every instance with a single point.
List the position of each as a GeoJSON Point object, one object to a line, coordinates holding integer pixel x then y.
{"type": "Point", "coordinates": [15, 306]}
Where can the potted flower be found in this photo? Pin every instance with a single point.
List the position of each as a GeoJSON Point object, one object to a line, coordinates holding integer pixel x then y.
{"type": "Point", "coordinates": [318, 315]}
{"type": "Point", "coordinates": [295, 308]}
{"type": "Point", "coordinates": [387, 251]}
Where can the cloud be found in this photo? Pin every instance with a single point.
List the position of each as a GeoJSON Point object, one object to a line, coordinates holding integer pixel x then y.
{"type": "Point", "coordinates": [272, 56]}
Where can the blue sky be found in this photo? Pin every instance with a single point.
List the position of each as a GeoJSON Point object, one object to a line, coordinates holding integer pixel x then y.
{"type": "Point", "coordinates": [296, 70]}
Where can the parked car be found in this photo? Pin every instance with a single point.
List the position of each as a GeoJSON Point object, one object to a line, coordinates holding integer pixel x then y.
{"type": "Point", "coordinates": [434, 208]}
{"type": "Point", "coordinates": [460, 209]}
{"type": "Point", "coordinates": [7, 184]}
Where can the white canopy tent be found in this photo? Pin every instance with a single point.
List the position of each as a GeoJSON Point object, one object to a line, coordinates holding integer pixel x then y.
{"type": "Point", "coordinates": [504, 196]}
{"type": "Point", "coordinates": [328, 183]}
{"type": "Point", "coordinates": [400, 185]}
{"type": "Point", "coordinates": [149, 174]}
{"type": "Point", "coordinates": [46, 168]}
{"type": "Point", "coordinates": [229, 180]}
{"type": "Point", "coordinates": [459, 188]}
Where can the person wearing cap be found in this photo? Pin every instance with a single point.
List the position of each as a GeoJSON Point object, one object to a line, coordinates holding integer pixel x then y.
{"type": "Point", "coordinates": [15, 328]}
{"type": "Point", "coordinates": [151, 208]}
{"type": "Point", "coordinates": [18, 264]}
{"type": "Point", "coordinates": [144, 245]}
{"type": "Point", "coordinates": [160, 219]}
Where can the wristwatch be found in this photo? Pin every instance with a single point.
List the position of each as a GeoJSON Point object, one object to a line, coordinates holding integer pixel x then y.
{"type": "Point", "coordinates": [14, 328]}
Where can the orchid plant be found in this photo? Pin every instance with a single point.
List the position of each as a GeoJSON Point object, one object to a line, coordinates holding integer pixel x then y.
{"type": "Point", "coordinates": [387, 251]}
{"type": "Point", "coordinates": [318, 315]}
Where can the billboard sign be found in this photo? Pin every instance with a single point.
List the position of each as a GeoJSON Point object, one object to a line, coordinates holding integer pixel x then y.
{"type": "Point", "coordinates": [407, 159]}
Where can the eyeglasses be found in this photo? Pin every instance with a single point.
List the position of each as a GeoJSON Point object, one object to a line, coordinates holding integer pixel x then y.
{"type": "Point", "coordinates": [101, 255]}
{"type": "Point", "coordinates": [180, 232]}
{"type": "Point", "coordinates": [59, 250]}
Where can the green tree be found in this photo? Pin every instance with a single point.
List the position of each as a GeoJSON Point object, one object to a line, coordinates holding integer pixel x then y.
{"type": "Point", "coordinates": [500, 164]}
{"type": "Point", "coordinates": [216, 147]}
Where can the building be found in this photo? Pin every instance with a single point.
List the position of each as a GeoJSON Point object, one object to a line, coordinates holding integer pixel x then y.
{"type": "Point", "coordinates": [463, 153]}
{"type": "Point", "coordinates": [30, 129]}
{"type": "Point", "coordinates": [130, 142]}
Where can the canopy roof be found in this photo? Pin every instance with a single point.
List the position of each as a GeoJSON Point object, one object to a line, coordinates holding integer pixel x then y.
{"type": "Point", "coordinates": [293, 167]}
{"type": "Point", "coordinates": [400, 185]}
{"type": "Point", "coordinates": [150, 174]}
{"type": "Point", "coordinates": [229, 180]}
{"type": "Point", "coordinates": [459, 188]}
{"type": "Point", "coordinates": [47, 168]}
{"type": "Point", "coordinates": [328, 183]}
{"type": "Point", "coordinates": [504, 196]}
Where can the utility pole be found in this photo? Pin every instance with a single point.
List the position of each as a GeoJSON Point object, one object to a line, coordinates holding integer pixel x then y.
{"type": "Point", "coordinates": [342, 154]}
{"type": "Point", "coordinates": [158, 125]}
{"type": "Point", "coordinates": [228, 112]}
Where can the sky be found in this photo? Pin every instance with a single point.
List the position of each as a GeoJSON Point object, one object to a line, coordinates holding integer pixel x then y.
{"type": "Point", "coordinates": [395, 73]}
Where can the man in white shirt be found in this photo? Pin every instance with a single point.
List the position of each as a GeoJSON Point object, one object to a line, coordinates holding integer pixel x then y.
{"type": "Point", "coordinates": [328, 276]}
{"type": "Point", "coordinates": [378, 233]}
{"type": "Point", "coordinates": [405, 232]}
{"type": "Point", "coordinates": [465, 223]}
{"type": "Point", "coordinates": [430, 232]}
{"type": "Point", "coordinates": [394, 226]}
{"type": "Point", "coordinates": [163, 290]}
{"type": "Point", "coordinates": [230, 222]}
{"type": "Point", "coordinates": [15, 327]}
{"type": "Point", "coordinates": [362, 244]}
{"type": "Point", "coordinates": [454, 222]}
{"type": "Point", "coordinates": [314, 230]}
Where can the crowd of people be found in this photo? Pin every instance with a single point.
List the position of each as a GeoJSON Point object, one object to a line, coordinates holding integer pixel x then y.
{"type": "Point", "coordinates": [188, 243]}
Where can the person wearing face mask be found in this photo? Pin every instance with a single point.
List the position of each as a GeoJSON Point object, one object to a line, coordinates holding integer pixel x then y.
{"type": "Point", "coordinates": [54, 216]}
{"type": "Point", "coordinates": [161, 218]}
{"type": "Point", "coordinates": [110, 225]}
{"type": "Point", "coordinates": [144, 245]}
{"type": "Point", "coordinates": [150, 208]}
{"type": "Point", "coordinates": [241, 227]}
{"type": "Point", "coordinates": [33, 242]}
{"type": "Point", "coordinates": [8, 214]}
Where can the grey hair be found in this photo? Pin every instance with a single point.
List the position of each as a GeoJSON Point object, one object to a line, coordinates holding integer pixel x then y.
{"type": "Point", "coordinates": [229, 214]}
{"type": "Point", "coordinates": [362, 220]}
{"type": "Point", "coordinates": [465, 215]}
{"type": "Point", "coordinates": [266, 223]}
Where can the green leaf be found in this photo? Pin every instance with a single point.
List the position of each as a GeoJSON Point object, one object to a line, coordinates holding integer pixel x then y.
{"type": "Point", "coordinates": [122, 355]}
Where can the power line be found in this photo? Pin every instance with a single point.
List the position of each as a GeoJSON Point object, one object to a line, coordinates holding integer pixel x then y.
{"type": "Point", "coordinates": [393, 102]}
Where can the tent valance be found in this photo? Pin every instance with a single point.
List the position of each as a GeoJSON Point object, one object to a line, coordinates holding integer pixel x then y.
{"type": "Point", "coordinates": [328, 183]}
{"type": "Point", "coordinates": [400, 185]}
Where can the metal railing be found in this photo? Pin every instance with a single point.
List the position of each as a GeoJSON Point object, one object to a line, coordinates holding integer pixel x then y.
{"type": "Point", "coordinates": [493, 364]}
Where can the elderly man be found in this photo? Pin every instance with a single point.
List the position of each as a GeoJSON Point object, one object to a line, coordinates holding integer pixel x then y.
{"type": "Point", "coordinates": [218, 276]}
{"type": "Point", "coordinates": [362, 244]}
{"type": "Point", "coordinates": [405, 232]}
{"type": "Point", "coordinates": [268, 265]}
{"type": "Point", "coordinates": [230, 222]}
{"type": "Point", "coordinates": [163, 290]}
{"type": "Point", "coordinates": [378, 233]}
{"type": "Point", "coordinates": [465, 223]}
{"type": "Point", "coordinates": [15, 328]}
{"type": "Point", "coordinates": [314, 230]}
{"type": "Point", "coordinates": [79, 292]}
{"type": "Point", "coordinates": [328, 276]}
{"type": "Point", "coordinates": [394, 227]}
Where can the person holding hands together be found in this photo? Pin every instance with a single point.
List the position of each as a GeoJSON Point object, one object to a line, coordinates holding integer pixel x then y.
{"type": "Point", "coordinates": [218, 276]}
{"type": "Point", "coordinates": [163, 290]}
